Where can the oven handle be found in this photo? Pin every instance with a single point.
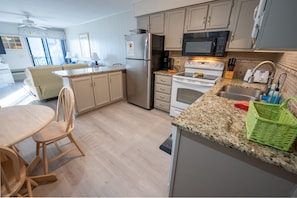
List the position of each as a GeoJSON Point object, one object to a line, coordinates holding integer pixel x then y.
{"type": "Point", "coordinates": [193, 82]}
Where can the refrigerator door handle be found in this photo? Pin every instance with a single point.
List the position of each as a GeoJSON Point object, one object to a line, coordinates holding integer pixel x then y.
{"type": "Point", "coordinates": [145, 51]}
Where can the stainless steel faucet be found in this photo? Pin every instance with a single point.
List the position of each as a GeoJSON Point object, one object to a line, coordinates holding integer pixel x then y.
{"type": "Point", "coordinates": [270, 78]}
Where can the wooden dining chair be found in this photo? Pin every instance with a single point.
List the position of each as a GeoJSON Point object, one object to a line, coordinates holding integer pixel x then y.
{"type": "Point", "coordinates": [13, 174]}
{"type": "Point", "coordinates": [59, 129]}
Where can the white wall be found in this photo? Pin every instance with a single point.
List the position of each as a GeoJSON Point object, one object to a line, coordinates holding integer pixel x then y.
{"type": "Point", "coordinates": [106, 37]}
{"type": "Point", "coordinates": [16, 58]}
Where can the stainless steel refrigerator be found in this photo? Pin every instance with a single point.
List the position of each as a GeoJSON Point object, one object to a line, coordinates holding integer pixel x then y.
{"type": "Point", "coordinates": [143, 55]}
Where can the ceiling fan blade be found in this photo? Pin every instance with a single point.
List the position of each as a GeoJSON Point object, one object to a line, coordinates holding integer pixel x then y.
{"type": "Point", "coordinates": [40, 27]}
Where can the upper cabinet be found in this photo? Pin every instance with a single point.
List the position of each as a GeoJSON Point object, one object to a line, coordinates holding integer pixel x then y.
{"type": "Point", "coordinates": [174, 26]}
{"type": "Point", "coordinates": [242, 25]}
{"type": "Point", "coordinates": [153, 23]}
{"type": "Point", "coordinates": [274, 27]}
{"type": "Point", "coordinates": [214, 15]}
{"type": "Point", "coordinates": [143, 22]}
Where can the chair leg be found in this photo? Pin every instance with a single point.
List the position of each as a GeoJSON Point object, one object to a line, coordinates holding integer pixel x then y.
{"type": "Point", "coordinates": [37, 148]}
{"type": "Point", "coordinates": [76, 144]}
{"type": "Point", "coordinates": [29, 188]}
{"type": "Point", "coordinates": [45, 162]}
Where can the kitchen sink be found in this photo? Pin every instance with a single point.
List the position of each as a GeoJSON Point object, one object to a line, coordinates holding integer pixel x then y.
{"type": "Point", "coordinates": [239, 93]}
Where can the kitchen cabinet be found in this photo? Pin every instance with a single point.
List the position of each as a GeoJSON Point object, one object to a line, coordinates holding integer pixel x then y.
{"type": "Point", "coordinates": [275, 27]}
{"type": "Point", "coordinates": [200, 165]}
{"type": "Point", "coordinates": [162, 92]}
{"type": "Point", "coordinates": [96, 90]}
{"type": "Point", "coordinates": [5, 75]}
{"type": "Point", "coordinates": [101, 88]}
{"type": "Point", "coordinates": [242, 26]}
{"type": "Point", "coordinates": [143, 22]}
{"type": "Point", "coordinates": [208, 16]}
{"type": "Point", "coordinates": [153, 23]}
{"type": "Point", "coordinates": [174, 25]}
{"type": "Point", "coordinates": [83, 92]}
{"type": "Point", "coordinates": [116, 86]}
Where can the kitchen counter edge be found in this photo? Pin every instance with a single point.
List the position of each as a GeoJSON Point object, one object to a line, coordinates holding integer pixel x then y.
{"type": "Point", "coordinates": [216, 119]}
{"type": "Point", "coordinates": [88, 71]}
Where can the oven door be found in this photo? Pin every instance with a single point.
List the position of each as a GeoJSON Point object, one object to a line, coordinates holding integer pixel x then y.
{"type": "Point", "coordinates": [185, 92]}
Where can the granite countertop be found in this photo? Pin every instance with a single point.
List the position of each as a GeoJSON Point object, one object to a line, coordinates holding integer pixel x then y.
{"type": "Point", "coordinates": [216, 119]}
{"type": "Point", "coordinates": [88, 71]}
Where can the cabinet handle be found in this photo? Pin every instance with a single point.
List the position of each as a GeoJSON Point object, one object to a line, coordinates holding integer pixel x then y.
{"type": "Point", "coordinates": [232, 37]}
{"type": "Point", "coordinates": [209, 20]}
{"type": "Point", "coordinates": [252, 44]}
{"type": "Point", "coordinates": [204, 20]}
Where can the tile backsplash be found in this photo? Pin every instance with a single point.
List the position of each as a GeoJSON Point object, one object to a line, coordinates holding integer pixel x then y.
{"type": "Point", "coordinates": [288, 63]}
{"type": "Point", "coordinates": [285, 62]}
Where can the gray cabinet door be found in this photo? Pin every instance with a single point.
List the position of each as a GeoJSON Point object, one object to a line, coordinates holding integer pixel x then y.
{"type": "Point", "coordinates": [243, 25]}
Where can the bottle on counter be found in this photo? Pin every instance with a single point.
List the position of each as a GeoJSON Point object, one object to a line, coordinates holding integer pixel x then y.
{"type": "Point", "coordinates": [274, 95]}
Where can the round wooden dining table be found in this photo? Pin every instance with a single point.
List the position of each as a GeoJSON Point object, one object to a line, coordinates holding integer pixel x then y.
{"type": "Point", "coordinates": [20, 122]}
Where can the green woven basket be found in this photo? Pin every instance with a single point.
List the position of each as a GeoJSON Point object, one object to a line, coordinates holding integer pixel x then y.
{"type": "Point", "coordinates": [271, 124]}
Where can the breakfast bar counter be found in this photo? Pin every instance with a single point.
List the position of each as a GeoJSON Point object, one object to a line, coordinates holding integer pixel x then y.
{"type": "Point", "coordinates": [95, 87]}
{"type": "Point", "coordinates": [215, 123]}
{"type": "Point", "coordinates": [89, 71]}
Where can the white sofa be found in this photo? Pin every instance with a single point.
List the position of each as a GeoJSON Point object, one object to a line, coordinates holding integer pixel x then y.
{"type": "Point", "coordinates": [42, 83]}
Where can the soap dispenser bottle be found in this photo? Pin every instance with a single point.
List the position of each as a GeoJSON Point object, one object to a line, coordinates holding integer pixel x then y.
{"type": "Point", "coordinates": [274, 95]}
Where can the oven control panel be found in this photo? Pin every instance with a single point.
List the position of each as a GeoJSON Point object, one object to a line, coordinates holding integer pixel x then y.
{"type": "Point", "coordinates": [204, 64]}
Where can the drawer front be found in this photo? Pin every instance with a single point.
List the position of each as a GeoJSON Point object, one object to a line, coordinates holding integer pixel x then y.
{"type": "Point", "coordinates": [163, 88]}
{"type": "Point", "coordinates": [162, 96]}
{"type": "Point", "coordinates": [166, 80]}
{"type": "Point", "coordinates": [162, 105]}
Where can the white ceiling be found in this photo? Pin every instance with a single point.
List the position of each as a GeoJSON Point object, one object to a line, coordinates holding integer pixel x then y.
{"type": "Point", "coordinates": [61, 13]}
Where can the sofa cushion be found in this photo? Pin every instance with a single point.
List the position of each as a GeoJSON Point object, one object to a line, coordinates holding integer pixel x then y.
{"type": "Point", "coordinates": [43, 74]}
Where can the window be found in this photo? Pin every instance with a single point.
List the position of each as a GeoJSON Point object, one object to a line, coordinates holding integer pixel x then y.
{"type": "Point", "coordinates": [84, 45]}
{"type": "Point", "coordinates": [12, 42]}
{"type": "Point", "coordinates": [47, 51]}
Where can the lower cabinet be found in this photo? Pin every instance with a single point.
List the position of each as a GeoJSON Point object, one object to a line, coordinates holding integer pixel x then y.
{"type": "Point", "coordinates": [162, 92]}
{"type": "Point", "coordinates": [116, 86]}
{"type": "Point", "coordinates": [96, 90]}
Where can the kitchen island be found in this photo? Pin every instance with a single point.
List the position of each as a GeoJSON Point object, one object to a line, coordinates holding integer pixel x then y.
{"type": "Point", "coordinates": [212, 157]}
{"type": "Point", "coordinates": [95, 87]}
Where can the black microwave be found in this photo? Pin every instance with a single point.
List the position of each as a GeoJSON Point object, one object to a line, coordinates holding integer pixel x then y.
{"type": "Point", "coordinates": [205, 43]}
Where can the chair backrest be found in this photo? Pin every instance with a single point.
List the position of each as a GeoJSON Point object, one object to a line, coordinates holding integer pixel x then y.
{"type": "Point", "coordinates": [13, 172]}
{"type": "Point", "coordinates": [65, 108]}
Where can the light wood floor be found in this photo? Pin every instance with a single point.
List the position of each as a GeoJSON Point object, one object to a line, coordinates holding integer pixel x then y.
{"type": "Point", "coordinates": [121, 142]}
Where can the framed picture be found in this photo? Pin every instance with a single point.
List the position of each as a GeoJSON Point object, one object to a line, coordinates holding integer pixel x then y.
{"type": "Point", "coordinates": [85, 45]}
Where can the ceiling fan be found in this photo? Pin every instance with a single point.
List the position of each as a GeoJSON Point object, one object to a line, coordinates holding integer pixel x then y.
{"type": "Point", "coordinates": [30, 23]}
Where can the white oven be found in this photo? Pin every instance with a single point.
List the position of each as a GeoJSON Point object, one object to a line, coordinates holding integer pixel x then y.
{"type": "Point", "coordinates": [198, 78]}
